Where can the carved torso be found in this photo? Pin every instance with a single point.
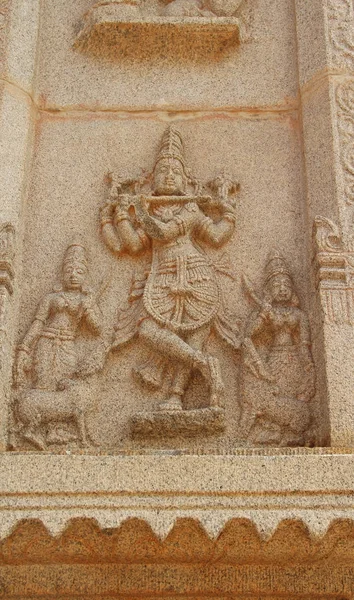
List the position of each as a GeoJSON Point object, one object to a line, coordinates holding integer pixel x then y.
{"type": "Point", "coordinates": [284, 323]}
{"type": "Point", "coordinates": [64, 310]}
{"type": "Point", "coordinates": [182, 291]}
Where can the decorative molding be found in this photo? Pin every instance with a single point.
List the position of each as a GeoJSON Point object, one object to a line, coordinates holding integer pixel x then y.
{"type": "Point", "coordinates": [335, 272]}
{"type": "Point", "coordinates": [340, 23]}
{"type": "Point", "coordinates": [89, 563]}
{"type": "Point", "coordinates": [83, 542]}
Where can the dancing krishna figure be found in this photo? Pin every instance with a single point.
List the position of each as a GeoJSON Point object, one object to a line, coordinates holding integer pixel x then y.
{"type": "Point", "coordinates": [174, 308]}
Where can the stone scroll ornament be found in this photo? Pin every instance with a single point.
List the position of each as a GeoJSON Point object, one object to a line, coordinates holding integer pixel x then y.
{"type": "Point", "coordinates": [278, 373]}
{"type": "Point", "coordinates": [7, 255]}
{"type": "Point", "coordinates": [174, 306]}
{"type": "Point", "coordinates": [335, 262]}
{"type": "Point", "coordinates": [50, 405]}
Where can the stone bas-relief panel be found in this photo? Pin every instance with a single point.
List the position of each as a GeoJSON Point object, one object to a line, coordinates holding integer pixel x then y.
{"type": "Point", "coordinates": [178, 28]}
{"type": "Point", "coordinates": [243, 76]}
{"type": "Point", "coordinates": [178, 235]}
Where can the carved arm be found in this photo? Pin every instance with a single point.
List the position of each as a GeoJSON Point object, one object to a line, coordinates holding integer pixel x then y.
{"type": "Point", "coordinates": [92, 315]}
{"type": "Point", "coordinates": [35, 330]}
{"type": "Point", "coordinates": [23, 359]}
{"type": "Point", "coordinates": [252, 358]}
{"type": "Point", "coordinates": [118, 230]}
{"type": "Point", "coordinates": [307, 390]}
{"type": "Point", "coordinates": [218, 233]}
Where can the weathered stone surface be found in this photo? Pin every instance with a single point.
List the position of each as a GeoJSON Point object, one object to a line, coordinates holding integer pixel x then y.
{"type": "Point", "coordinates": [176, 299]}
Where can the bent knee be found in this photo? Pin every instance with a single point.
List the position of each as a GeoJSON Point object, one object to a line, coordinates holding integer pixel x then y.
{"type": "Point", "coordinates": [148, 329]}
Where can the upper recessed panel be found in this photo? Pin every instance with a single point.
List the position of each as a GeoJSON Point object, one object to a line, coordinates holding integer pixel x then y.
{"type": "Point", "coordinates": [260, 71]}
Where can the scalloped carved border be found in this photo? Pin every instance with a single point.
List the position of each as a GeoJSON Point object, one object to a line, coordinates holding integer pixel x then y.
{"type": "Point", "coordinates": [84, 542]}
{"type": "Point", "coordinates": [131, 562]}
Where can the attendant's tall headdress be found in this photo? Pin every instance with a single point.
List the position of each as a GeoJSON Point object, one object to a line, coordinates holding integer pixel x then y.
{"type": "Point", "coordinates": [276, 265]}
{"type": "Point", "coordinates": [75, 254]}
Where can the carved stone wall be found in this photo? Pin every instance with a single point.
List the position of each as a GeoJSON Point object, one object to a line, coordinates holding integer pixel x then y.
{"type": "Point", "coordinates": [176, 299]}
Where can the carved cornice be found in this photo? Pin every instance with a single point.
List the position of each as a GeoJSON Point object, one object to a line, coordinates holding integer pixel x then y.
{"type": "Point", "coordinates": [86, 562]}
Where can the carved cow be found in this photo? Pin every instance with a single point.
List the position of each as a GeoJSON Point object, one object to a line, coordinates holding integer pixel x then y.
{"type": "Point", "coordinates": [262, 403]}
{"type": "Point", "coordinates": [36, 408]}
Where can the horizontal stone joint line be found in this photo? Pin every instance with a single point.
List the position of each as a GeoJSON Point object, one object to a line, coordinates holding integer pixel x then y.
{"type": "Point", "coordinates": [63, 112]}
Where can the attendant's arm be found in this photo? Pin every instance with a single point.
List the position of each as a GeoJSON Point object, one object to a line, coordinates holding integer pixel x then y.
{"type": "Point", "coordinates": [23, 361]}
{"type": "Point", "coordinates": [308, 387]}
{"type": "Point", "coordinates": [252, 359]}
{"type": "Point", "coordinates": [35, 330]}
{"type": "Point", "coordinates": [305, 339]}
{"type": "Point", "coordinates": [92, 315]}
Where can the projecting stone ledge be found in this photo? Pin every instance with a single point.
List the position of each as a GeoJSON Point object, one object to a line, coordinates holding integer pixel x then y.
{"type": "Point", "coordinates": [189, 423]}
{"type": "Point", "coordinates": [109, 34]}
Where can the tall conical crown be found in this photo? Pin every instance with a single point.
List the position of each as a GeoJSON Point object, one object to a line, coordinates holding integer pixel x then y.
{"type": "Point", "coordinates": [276, 265]}
{"type": "Point", "coordinates": [171, 146]}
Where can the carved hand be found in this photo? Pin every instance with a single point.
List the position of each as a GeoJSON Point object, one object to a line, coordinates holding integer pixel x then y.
{"type": "Point", "coordinates": [266, 311]}
{"type": "Point", "coordinates": [22, 366]}
{"type": "Point", "coordinates": [122, 208]}
{"type": "Point", "coordinates": [308, 389]}
{"type": "Point", "coordinates": [88, 302]}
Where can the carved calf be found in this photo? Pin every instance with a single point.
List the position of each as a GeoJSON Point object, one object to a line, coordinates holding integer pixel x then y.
{"type": "Point", "coordinates": [37, 408]}
{"type": "Point", "coordinates": [291, 416]}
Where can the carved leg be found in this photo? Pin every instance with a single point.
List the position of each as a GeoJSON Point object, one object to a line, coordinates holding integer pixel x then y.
{"type": "Point", "coordinates": [79, 416]}
{"type": "Point", "coordinates": [31, 432]}
{"type": "Point", "coordinates": [171, 345]}
{"type": "Point", "coordinates": [247, 420]}
{"type": "Point", "coordinates": [210, 370]}
{"type": "Point", "coordinates": [178, 389]}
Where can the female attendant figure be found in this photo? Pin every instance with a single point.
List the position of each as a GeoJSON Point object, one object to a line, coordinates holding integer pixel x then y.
{"type": "Point", "coordinates": [278, 370]}
{"type": "Point", "coordinates": [48, 349]}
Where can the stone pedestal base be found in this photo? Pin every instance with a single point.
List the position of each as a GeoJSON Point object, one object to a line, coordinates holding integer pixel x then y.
{"type": "Point", "coordinates": [109, 31]}
{"type": "Point", "coordinates": [205, 421]}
